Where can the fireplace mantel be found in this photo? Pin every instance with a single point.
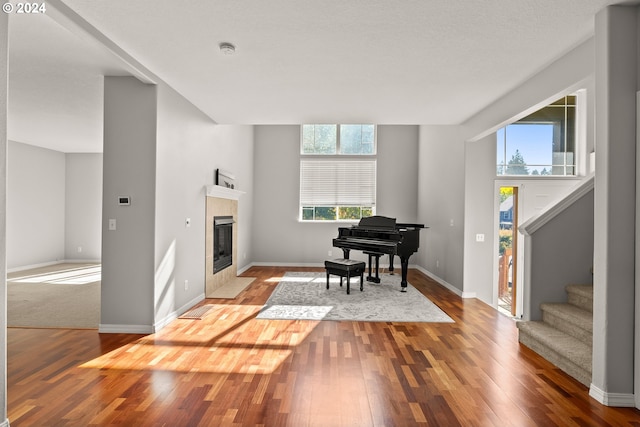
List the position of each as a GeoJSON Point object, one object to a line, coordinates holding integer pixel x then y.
{"type": "Point", "coordinates": [223, 192]}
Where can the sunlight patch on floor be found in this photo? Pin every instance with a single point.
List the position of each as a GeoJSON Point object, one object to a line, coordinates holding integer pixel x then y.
{"type": "Point", "coordinates": [76, 276]}
{"type": "Point", "coordinates": [227, 340]}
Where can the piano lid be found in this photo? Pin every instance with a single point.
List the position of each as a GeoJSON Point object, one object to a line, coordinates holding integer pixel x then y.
{"type": "Point", "coordinates": [377, 221]}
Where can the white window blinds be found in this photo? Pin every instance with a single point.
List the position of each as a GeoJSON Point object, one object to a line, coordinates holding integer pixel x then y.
{"type": "Point", "coordinates": [327, 182]}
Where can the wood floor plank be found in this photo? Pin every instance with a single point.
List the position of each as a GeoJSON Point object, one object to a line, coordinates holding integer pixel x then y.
{"type": "Point", "coordinates": [231, 369]}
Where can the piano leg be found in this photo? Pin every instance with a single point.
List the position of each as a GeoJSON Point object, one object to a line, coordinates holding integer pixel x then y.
{"type": "Point", "coordinates": [391, 263]}
{"type": "Point", "coordinates": [345, 253]}
{"type": "Point", "coordinates": [370, 278]}
{"type": "Point", "coordinates": [404, 262]}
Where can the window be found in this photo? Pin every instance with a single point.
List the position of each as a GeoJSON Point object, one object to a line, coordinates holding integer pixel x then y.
{"type": "Point", "coordinates": [337, 172]}
{"type": "Point", "coordinates": [542, 143]}
{"type": "Point", "coordinates": [338, 139]}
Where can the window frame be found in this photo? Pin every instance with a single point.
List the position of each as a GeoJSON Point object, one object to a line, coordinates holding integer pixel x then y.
{"type": "Point", "coordinates": [338, 140]}
{"type": "Point", "coordinates": [338, 156]}
{"type": "Point", "coordinates": [562, 126]}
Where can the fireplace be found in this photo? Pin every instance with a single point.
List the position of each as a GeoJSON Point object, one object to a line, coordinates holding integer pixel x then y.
{"type": "Point", "coordinates": [222, 242]}
{"type": "Point", "coordinates": [221, 264]}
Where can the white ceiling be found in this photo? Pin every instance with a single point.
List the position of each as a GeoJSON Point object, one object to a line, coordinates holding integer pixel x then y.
{"type": "Point", "coordinates": [297, 61]}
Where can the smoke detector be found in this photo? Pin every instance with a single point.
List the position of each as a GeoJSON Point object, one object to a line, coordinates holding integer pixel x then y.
{"type": "Point", "coordinates": [227, 48]}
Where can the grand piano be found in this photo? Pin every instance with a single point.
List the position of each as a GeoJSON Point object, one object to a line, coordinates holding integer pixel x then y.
{"type": "Point", "coordinates": [378, 235]}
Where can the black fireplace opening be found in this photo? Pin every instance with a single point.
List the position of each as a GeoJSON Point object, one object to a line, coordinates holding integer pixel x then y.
{"type": "Point", "coordinates": [222, 242]}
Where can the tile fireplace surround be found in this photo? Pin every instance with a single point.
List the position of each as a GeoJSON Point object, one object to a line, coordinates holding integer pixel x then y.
{"type": "Point", "coordinates": [221, 201]}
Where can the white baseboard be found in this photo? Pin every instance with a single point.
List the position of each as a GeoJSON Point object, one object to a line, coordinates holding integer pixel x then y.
{"type": "Point", "coordinates": [29, 267]}
{"type": "Point", "coordinates": [245, 268]}
{"type": "Point", "coordinates": [287, 264]}
{"type": "Point", "coordinates": [164, 322]}
{"type": "Point", "coordinates": [146, 329]}
{"type": "Point", "coordinates": [177, 313]}
{"type": "Point", "coordinates": [621, 400]}
{"type": "Point", "coordinates": [5, 423]}
{"type": "Point", "coordinates": [445, 284]}
{"type": "Point", "coordinates": [125, 329]}
{"type": "Point", "coordinates": [313, 264]}
{"type": "Point", "coordinates": [80, 261]}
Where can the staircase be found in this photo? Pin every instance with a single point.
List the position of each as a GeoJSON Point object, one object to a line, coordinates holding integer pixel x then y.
{"type": "Point", "coordinates": [565, 335]}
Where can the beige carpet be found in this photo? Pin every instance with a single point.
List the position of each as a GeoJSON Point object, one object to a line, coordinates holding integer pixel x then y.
{"type": "Point", "coordinates": [67, 295]}
{"type": "Point", "coordinates": [57, 296]}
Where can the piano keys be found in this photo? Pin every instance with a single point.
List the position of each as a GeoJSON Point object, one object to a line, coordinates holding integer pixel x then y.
{"type": "Point", "coordinates": [377, 235]}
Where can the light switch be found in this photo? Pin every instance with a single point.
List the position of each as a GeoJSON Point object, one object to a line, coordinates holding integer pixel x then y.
{"type": "Point", "coordinates": [112, 224]}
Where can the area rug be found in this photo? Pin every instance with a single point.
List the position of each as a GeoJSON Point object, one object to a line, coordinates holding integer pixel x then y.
{"type": "Point", "coordinates": [304, 296]}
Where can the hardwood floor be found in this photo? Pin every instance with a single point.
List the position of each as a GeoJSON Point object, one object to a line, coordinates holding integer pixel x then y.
{"type": "Point", "coordinates": [230, 369]}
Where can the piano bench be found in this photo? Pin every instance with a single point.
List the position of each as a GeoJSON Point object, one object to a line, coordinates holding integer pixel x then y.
{"type": "Point", "coordinates": [345, 268]}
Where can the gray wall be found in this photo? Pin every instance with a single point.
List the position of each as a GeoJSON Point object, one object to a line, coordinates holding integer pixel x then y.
{"type": "Point", "coordinates": [83, 206]}
{"type": "Point", "coordinates": [614, 263]}
{"type": "Point", "coordinates": [162, 151]}
{"type": "Point", "coordinates": [189, 148]}
{"type": "Point", "coordinates": [481, 212]}
{"type": "Point", "coordinates": [397, 172]}
{"type": "Point", "coordinates": [614, 50]}
{"type": "Point", "coordinates": [457, 175]}
{"type": "Point", "coordinates": [129, 170]}
{"type": "Point", "coordinates": [480, 168]}
{"type": "Point", "coordinates": [570, 234]}
{"type": "Point", "coordinates": [56, 200]}
{"type": "Point", "coordinates": [35, 206]}
{"type": "Point", "coordinates": [279, 237]}
{"type": "Point", "coordinates": [570, 73]}
{"type": "Point", "coordinates": [4, 65]}
{"type": "Point", "coordinates": [233, 148]}
{"type": "Point", "coordinates": [441, 196]}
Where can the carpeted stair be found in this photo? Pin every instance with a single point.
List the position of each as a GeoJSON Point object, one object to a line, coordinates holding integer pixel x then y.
{"type": "Point", "coordinates": [565, 335]}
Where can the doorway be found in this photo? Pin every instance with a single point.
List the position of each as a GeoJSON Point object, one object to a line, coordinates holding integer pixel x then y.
{"type": "Point", "coordinates": [508, 250]}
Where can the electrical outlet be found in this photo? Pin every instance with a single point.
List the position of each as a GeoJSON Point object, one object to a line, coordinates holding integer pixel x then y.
{"type": "Point", "coordinates": [186, 285]}
{"type": "Point", "coordinates": [330, 253]}
{"type": "Point", "coordinates": [112, 224]}
{"type": "Point", "coordinates": [479, 237]}
{"type": "Point", "coordinates": [79, 249]}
